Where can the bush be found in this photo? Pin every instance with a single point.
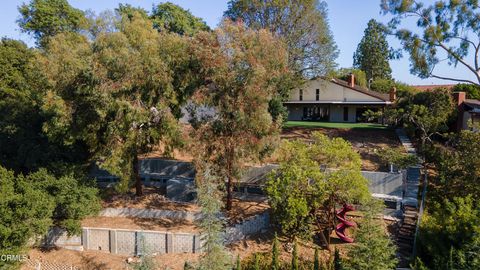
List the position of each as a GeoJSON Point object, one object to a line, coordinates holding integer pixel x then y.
{"type": "Point", "coordinates": [397, 157]}
{"type": "Point", "coordinates": [450, 235]}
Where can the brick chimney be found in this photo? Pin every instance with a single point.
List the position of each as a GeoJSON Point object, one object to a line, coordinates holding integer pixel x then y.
{"type": "Point", "coordinates": [459, 98]}
{"type": "Point", "coordinates": [351, 80]}
{"type": "Point", "coordinates": [393, 94]}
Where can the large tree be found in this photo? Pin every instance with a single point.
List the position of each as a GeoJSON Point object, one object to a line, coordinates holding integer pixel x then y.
{"type": "Point", "coordinates": [116, 94]}
{"type": "Point", "coordinates": [242, 69]}
{"type": "Point", "coordinates": [303, 26]}
{"type": "Point", "coordinates": [24, 146]}
{"type": "Point", "coordinates": [173, 18]}
{"type": "Point", "coordinates": [46, 18]}
{"type": "Point", "coordinates": [311, 181]}
{"type": "Point", "coordinates": [444, 30]}
{"type": "Point", "coordinates": [373, 53]}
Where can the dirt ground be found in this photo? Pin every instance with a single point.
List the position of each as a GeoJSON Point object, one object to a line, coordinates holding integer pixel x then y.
{"type": "Point", "coordinates": [153, 198]}
{"type": "Point", "coordinates": [364, 141]}
{"type": "Point", "coordinates": [243, 209]}
{"type": "Point", "coordinates": [158, 224]}
{"type": "Point", "coordinates": [94, 260]}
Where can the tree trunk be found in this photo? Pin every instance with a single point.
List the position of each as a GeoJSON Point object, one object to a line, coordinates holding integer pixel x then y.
{"type": "Point", "coordinates": [136, 173]}
{"type": "Point", "coordinates": [230, 157]}
{"type": "Point", "coordinates": [229, 193]}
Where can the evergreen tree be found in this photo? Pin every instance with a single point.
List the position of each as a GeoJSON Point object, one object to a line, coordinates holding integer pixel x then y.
{"type": "Point", "coordinates": [275, 263]}
{"type": "Point", "coordinates": [238, 265]}
{"type": "Point", "coordinates": [373, 53]}
{"type": "Point", "coordinates": [257, 262]}
{"type": "Point", "coordinates": [337, 260]}
{"type": "Point", "coordinates": [373, 248]}
{"type": "Point", "coordinates": [316, 261]}
{"type": "Point", "coordinates": [295, 256]}
{"type": "Point", "coordinates": [210, 200]}
{"type": "Point", "coordinates": [300, 192]}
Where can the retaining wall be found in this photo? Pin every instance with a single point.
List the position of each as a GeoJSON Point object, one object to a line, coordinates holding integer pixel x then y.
{"type": "Point", "coordinates": [135, 242]}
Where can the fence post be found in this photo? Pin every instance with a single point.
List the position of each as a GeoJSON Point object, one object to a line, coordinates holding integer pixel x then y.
{"type": "Point", "coordinates": [85, 239]}
{"type": "Point", "coordinates": [113, 241]}
{"type": "Point", "coordinates": [169, 243]}
{"type": "Point", "coordinates": [420, 213]}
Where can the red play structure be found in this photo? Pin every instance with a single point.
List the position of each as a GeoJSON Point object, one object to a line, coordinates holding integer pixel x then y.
{"type": "Point", "coordinates": [344, 223]}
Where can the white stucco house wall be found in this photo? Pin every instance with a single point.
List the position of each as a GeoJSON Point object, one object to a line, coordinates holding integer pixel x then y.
{"type": "Point", "coordinates": [334, 100]}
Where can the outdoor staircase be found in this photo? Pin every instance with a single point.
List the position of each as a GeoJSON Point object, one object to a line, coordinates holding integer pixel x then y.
{"type": "Point", "coordinates": [405, 238]}
{"type": "Point", "coordinates": [406, 235]}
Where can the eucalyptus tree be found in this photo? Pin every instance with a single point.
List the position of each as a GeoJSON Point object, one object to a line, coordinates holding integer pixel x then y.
{"type": "Point", "coordinates": [241, 71]}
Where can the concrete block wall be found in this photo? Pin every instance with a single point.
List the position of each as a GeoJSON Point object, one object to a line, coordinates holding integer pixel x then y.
{"type": "Point", "coordinates": [135, 242]}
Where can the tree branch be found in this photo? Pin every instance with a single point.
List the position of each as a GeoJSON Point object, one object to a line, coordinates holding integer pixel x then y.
{"type": "Point", "coordinates": [452, 79]}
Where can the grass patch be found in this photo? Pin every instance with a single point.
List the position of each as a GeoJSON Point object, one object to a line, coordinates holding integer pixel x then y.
{"type": "Point", "coordinates": [308, 124]}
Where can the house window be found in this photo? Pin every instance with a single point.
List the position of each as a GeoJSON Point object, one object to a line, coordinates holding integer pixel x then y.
{"type": "Point", "coordinates": [345, 114]}
{"type": "Point", "coordinates": [317, 94]}
{"type": "Point", "coordinates": [301, 95]}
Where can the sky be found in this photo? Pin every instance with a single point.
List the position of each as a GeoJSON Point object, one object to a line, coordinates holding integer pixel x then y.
{"type": "Point", "coordinates": [348, 20]}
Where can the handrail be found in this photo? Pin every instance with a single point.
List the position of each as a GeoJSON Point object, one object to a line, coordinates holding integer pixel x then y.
{"type": "Point", "coordinates": [420, 212]}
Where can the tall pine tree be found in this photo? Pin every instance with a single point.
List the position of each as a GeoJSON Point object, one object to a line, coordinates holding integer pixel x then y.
{"type": "Point", "coordinates": [275, 263]}
{"type": "Point", "coordinates": [372, 53]}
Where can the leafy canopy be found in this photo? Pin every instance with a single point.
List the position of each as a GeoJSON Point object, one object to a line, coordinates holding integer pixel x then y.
{"type": "Point", "coordinates": [46, 18]}
{"type": "Point", "coordinates": [472, 91]}
{"type": "Point", "coordinates": [302, 25]}
{"type": "Point", "coordinates": [119, 94]}
{"type": "Point", "coordinates": [173, 18]}
{"type": "Point", "coordinates": [311, 180]}
{"type": "Point", "coordinates": [30, 204]}
{"type": "Point", "coordinates": [443, 30]}
{"type": "Point", "coordinates": [24, 146]}
{"type": "Point", "coordinates": [450, 235]}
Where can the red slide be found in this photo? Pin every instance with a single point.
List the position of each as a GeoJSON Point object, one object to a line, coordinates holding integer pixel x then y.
{"type": "Point", "coordinates": [344, 223]}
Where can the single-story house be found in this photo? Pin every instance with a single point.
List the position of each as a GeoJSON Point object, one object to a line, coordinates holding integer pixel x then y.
{"type": "Point", "coordinates": [468, 112]}
{"type": "Point", "coordinates": [334, 100]}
